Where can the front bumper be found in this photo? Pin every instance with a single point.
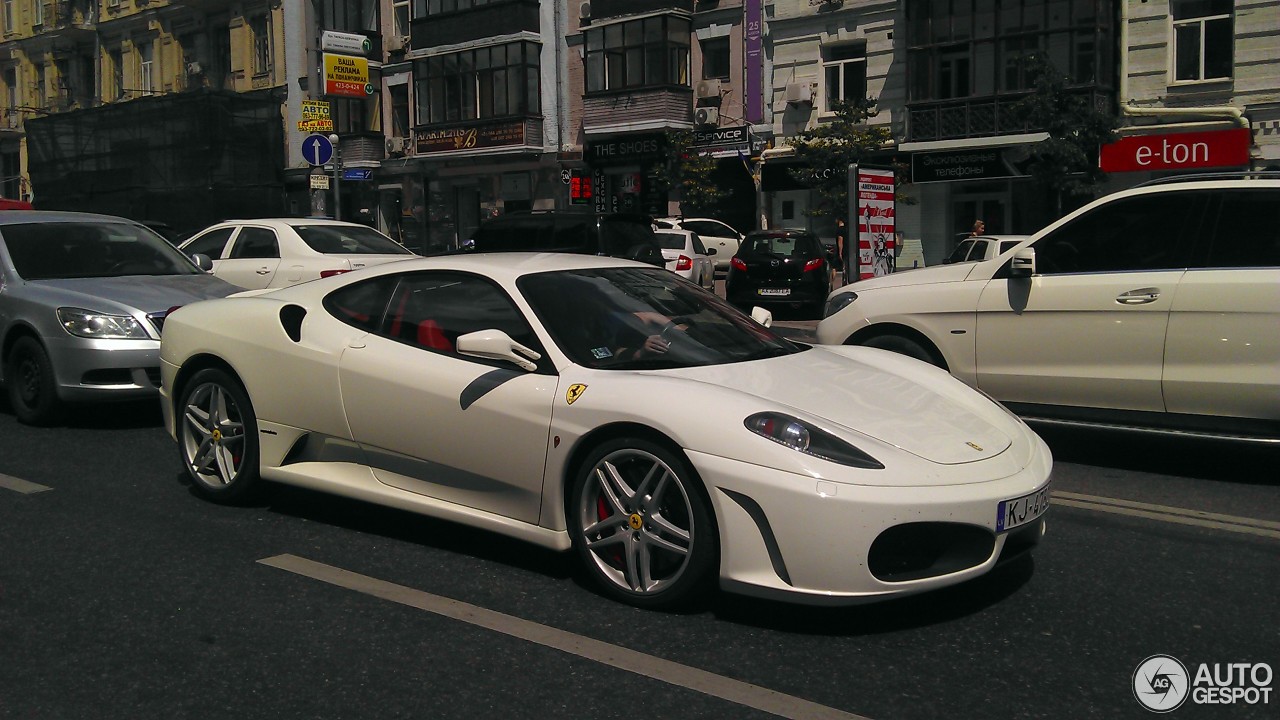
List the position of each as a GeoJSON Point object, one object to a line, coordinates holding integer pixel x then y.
{"type": "Point", "coordinates": [800, 539]}
{"type": "Point", "coordinates": [97, 370]}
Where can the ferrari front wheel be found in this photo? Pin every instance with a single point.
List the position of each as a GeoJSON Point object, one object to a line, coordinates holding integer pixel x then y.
{"type": "Point", "coordinates": [642, 524]}
{"type": "Point", "coordinates": [218, 437]}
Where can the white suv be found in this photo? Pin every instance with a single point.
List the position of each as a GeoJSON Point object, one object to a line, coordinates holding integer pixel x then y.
{"type": "Point", "coordinates": [715, 235]}
{"type": "Point", "coordinates": [1156, 307]}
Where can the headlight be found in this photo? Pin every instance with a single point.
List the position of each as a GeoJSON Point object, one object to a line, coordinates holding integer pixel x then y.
{"type": "Point", "coordinates": [802, 437]}
{"type": "Point", "coordinates": [88, 324]}
{"type": "Point", "coordinates": [838, 302]}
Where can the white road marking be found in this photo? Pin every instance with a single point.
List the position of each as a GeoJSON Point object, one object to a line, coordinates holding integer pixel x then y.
{"type": "Point", "coordinates": [1166, 513]}
{"type": "Point", "coordinates": [735, 691]}
{"type": "Point", "coordinates": [17, 485]}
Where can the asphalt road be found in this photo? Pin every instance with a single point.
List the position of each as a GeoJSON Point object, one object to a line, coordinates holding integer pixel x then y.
{"type": "Point", "coordinates": [122, 595]}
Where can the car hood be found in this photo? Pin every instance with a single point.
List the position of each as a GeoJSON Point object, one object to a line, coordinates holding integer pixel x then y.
{"type": "Point", "coordinates": [894, 399]}
{"type": "Point", "coordinates": [148, 293]}
{"type": "Point", "coordinates": [956, 272]}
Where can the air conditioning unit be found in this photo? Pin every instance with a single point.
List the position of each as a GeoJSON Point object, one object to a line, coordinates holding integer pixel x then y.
{"type": "Point", "coordinates": [397, 145]}
{"type": "Point", "coordinates": [193, 68]}
{"type": "Point", "coordinates": [707, 90]}
{"type": "Point", "coordinates": [799, 94]}
{"type": "Point", "coordinates": [396, 43]}
{"type": "Point", "coordinates": [584, 11]}
{"type": "Point", "coordinates": [706, 116]}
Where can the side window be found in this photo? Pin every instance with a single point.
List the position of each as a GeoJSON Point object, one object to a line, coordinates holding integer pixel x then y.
{"type": "Point", "coordinates": [1135, 233]}
{"type": "Point", "coordinates": [709, 228]}
{"type": "Point", "coordinates": [1247, 231]}
{"type": "Point", "coordinates": [362, 304]}
{"type": "Point", "coordinates": [256, 242]}
{"type": "Point", "coordinates": [431, 310]}
{"type": "Point", "coordinates": [211, 243]}
{"type": "Point", "coordinates": [698, 247]}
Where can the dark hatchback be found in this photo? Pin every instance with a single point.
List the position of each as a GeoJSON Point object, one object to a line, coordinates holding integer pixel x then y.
{"type": "Point", "coordinates": [780, 267]}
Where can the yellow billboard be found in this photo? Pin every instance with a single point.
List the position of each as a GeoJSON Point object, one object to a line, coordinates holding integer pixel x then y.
{"type": "Point", "coordinates": [346, 76]}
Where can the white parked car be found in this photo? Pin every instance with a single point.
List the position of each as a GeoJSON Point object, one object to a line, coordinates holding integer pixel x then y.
{"type": "Point", "coordinates": [606, 406]}
{"type": "Point", "coordinates": [1157, 307]}
{"type": "Point", "coordinates": [982, 247]}
{"type": "Point", "coordinates": [715, 236]}
{"type": "Point", "coordinates": [687, 257]}
{"type": "Point", "coordinates": [277, 252]}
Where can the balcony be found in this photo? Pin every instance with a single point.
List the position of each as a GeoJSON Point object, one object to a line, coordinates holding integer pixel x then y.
{"type": "Point", "coordinates": [485, 21]}
{"type": "Point", "coordinates": [979, 117]}
{"type": "Point", "coordinates": [601, 9]}
{"type": "Point", "coordinates": [67, 18]}
{"type": "Point", "coordinates": [638, 108]}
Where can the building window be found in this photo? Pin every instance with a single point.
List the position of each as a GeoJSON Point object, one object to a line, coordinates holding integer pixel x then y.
{"type": "Point", "coordinates": [11, 98]}
{"type": "Point", "coordinates": [8, 16]}
{"type": "Point", "coordinates": [400, 15]}
{"type": "Point", "coordinates": [260, 28]}
{"type": "Point", "coordinates": [439, 7]}
{"type": "Point", "coordinates": [399, 110]}
{"type": "Point", "coordinates": [37, 12]}
{"type": "Point", "coordinates": [1202, 40]}
{"type": "Point", "coordinates": [116, 59]}
{"type": "Point", "coordinates": [845, 69]}
{"type": "Point", "coordinates": [650, 52]}
{"type": "Point", "coordinates": [490, 82]}
{"type": "Point", "coordinates": [145, 67]}
{"type": "Point", "coordinates": [715, 58]}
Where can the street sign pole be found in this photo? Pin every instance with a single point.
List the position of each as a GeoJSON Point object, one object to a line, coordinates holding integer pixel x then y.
{"type": "Point", "coordinates": [337, 177]}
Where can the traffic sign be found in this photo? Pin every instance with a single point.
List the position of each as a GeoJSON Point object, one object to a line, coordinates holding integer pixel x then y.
{"type": "Point", "coordinates": [317, 150]}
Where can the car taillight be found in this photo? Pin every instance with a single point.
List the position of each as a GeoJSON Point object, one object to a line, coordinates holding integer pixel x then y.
{"type": "Point", "coordinates": [737, 264]}
{"type": "Point", "coordinates": [331, 273]}
{"type": "Point", "coordinates": [684, 263]}
{"type": "Point", "coordinates": [813, 264]}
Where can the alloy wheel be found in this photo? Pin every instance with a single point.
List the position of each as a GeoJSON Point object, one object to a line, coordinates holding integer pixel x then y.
{"type": "Point", "coordinates": [213, 435]}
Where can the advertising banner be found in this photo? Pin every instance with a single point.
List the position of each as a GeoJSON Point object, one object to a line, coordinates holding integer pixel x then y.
{"type": "Point", "coordinates": [470, 138]}
{"type": "Point", "coordinates": [346, 76]}
{"type": "Point", "coordinates": [1177, 151]}
{"type": "Point", "coordinates": [876, 221]}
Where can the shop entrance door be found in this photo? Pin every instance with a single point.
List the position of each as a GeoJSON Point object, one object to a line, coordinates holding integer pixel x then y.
{"type": "Point", "coordinates": [988, 205]}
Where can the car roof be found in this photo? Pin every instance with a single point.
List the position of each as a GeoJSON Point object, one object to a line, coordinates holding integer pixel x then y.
{"type": "Point", "coordinates": [22, 217]}
{"type": "Point", "coordinates": [290, 222]}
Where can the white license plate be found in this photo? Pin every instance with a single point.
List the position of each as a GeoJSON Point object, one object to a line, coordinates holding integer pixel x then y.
{"type": "Point", "coordinates": [782, 292]}
{"type": "Point", "coordinates": [1020, 511]}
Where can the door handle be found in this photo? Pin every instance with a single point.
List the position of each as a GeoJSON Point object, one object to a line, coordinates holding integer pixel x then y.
{"type": "Point", "coordinates": [263, 271]}
{"type": "Point", "coordinates": [1141, 296]}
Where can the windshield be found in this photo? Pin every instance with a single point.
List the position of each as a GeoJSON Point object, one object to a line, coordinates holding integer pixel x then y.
{"type": "Point", "coordinates": [670, 241]}
{"type": "Point", "coordinates": [348, 240]}
{"type": "Point", "coordinates": [91, 249]}
{"type": "Point", "coordinates": [781, 245]}
{"type": "Point", "coordinates": [633, 319]}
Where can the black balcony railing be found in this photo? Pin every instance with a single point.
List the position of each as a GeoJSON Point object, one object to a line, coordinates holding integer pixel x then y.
{"type": "Point", "coordinates": [979, 117]}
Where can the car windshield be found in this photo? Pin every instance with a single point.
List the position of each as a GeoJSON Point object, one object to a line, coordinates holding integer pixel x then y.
{"type": "Point", "coordinates": [780, 245]}
{"type": "Point", "coordinates": [593, 314]}
{"type": "Point", "coordinates": [348, 240]}
{"type": "Point", "coordinates": [670, 241]}
{"type": "Point", "coordinates": [90, 249]}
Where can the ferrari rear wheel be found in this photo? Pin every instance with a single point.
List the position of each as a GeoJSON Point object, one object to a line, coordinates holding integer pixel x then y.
{"type": "Point", "coordinates": [218, 437]}
{"type": "Point", "coordinates": [642, 524]}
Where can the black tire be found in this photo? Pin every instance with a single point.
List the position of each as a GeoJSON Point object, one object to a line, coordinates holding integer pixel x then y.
{"type": "Point", "coordinates": [903, 346]}
{"type": "Point", "coordinates": [654, 512]}
{"type": "Point", "coordinates": [218, 437]}
{"type": "Point", "coordinates": [33, 389]}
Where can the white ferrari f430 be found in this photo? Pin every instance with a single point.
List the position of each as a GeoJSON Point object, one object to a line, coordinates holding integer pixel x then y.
{"type": "Point", "coordinates": [613, 409]}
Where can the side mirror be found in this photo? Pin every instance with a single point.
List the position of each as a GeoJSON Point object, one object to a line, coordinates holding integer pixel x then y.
{"type": "Point", "coordinates": [1023, 264]}
{"type": "Point", "coordinates": [762, 316]}
{"type": "Point", "coordinates": [710, 252]}
{"type": "Point", "coordinates": [202, 261]}
{"type": "Point", "coordinates": [495, 344]}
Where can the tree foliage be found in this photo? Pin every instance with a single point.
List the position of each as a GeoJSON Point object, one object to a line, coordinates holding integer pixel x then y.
{"type": "Point", "coordinates": [825, 151]}
{"type": "Point", "coordinates": [1066, 164]}
{"type": "Point", "coordinates": [691, 171]}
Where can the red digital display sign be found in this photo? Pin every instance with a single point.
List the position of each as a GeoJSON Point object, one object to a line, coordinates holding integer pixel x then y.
{"type": "Point", "coordinates": [1178, 151]}
{"type": "Point", "coordinates": [580, 190]}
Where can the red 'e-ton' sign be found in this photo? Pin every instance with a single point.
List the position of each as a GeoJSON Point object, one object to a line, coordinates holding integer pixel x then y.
{"type": "Point", "coordinates": [1179, 151]}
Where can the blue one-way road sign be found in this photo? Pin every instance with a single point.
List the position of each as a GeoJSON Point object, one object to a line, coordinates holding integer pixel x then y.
{"type": "Point", "coordinates": [317, 150]}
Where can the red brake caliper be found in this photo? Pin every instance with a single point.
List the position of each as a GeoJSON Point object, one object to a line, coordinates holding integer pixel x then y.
{"type": "Point", "coordinates": [602, 511]}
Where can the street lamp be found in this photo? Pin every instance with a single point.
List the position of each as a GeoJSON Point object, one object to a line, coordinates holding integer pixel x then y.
{"type": "Point", "coordinates": [337, 171]}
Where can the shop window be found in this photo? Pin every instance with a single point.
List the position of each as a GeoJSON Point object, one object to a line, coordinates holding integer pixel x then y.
{"type": "Point", "coordinates": [489, 82]}
{"type": "Point", "coordinates": [649, 52]}
{"type": "Point", "coordinates": [715, 58]}
{"type": "Point", "coordinates": [845, 69]}
{"type": "Point", "coordinates": [1202, 39]}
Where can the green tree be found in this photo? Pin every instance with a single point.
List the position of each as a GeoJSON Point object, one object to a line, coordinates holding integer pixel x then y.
{"type": "Point", "coordinates": [1066, 164]}
{"type": "Point", "coordinates": [827, 150]}
{"type": "Point", "coordinates": [690, 171]}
